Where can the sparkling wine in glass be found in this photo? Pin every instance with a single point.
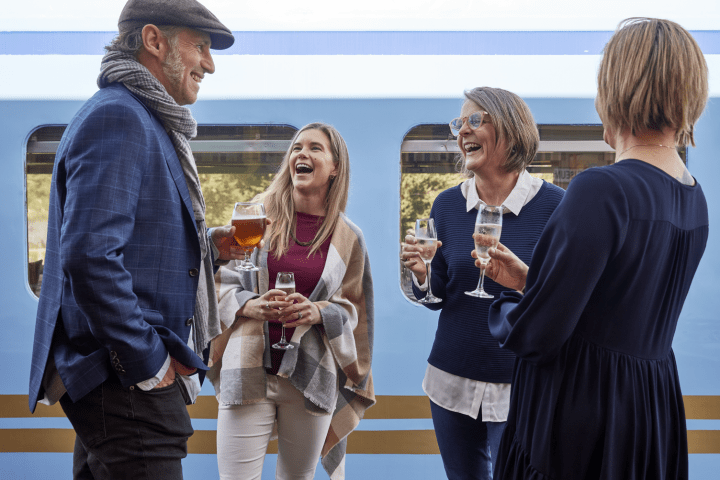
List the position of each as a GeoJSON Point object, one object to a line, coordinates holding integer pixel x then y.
{"type": "Point", "coordinates": [426, 238]}
{"type": "Point", "coordinates": [249, 221]}
{"type": "Point", "coordinates": [286, 282]}
{"type": "Point", "coordinates": [488, 226]}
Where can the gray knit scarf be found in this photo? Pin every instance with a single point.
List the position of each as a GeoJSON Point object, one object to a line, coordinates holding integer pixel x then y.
{"type": "Point", "coordinates": [180, 127]}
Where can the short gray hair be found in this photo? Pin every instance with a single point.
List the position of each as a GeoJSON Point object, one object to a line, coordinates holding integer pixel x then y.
{"type": "Point", "coordinates": [131, 42]}
{"type": "Point", "coordinates": [513, 122]}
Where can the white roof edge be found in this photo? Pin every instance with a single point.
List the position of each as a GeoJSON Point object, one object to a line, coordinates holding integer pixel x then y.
{"type": "Point", "coordinates": [346, 76]}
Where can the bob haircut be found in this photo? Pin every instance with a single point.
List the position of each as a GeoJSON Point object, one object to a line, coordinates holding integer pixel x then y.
{"type": "Point", "coordinates": [513, 122]}
{"type": "Point", "coordinates": [279, 203]}
{"type": "Point", "coordinates": [652, 76]}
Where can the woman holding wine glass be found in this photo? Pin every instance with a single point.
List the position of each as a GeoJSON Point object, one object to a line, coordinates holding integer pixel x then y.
{"type": "Point", "coordinates": [468, 376]}
{"type": "Point", "coordinates": [266, 385]}
{"type": "Point", "coordinates": [596, 393]}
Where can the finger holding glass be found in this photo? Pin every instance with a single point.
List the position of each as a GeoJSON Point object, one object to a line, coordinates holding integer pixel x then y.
{"type": "Point", "coordinates": [285, 282]}
{"type": "Point", "coordinates": [426, 238]}
{"type": "Point", "coordinates": [265, 308]}
{"type": "Point", "coordinates": [410, 256]}
{"type": "Point", "coordinates": [488, 226]}
{"type": "Point", "coordinates": [249, 221]}
{"type": "Point", "coordinates": [300, 312]}
{"type": "Point", "coordinates": [504, 267]}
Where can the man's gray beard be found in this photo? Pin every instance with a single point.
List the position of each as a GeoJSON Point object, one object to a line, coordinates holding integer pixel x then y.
{"type": "Point", "coordinates": [173, 67]}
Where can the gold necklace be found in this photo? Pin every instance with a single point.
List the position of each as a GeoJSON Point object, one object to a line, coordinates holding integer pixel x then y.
{"type": "Point", "coordinates": [645, 145]}
{"type": "Point", "coordinates": [303, 244]}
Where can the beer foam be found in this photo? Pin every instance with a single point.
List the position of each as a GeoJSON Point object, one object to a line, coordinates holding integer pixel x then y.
{"type": "Point", "coordinates": [248, 217]}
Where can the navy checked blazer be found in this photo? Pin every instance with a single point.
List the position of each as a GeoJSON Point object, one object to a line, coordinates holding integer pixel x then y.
{"type": "Point", "coordinates": [122, 259]}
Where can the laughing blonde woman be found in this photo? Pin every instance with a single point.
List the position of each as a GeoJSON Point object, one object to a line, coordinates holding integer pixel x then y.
{"type": "Point", "coordinates": [314, 394]}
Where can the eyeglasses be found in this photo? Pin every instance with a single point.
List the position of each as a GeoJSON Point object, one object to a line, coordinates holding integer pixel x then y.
{"type": "Point", "coordinates": [474, 121]}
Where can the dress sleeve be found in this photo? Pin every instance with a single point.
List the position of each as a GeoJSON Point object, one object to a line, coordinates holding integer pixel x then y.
{"type": "Point", "coordinates": [585, 231]}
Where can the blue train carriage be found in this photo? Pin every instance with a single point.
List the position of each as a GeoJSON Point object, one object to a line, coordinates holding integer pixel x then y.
{"type": "Point", "coordinates": [391, 95]}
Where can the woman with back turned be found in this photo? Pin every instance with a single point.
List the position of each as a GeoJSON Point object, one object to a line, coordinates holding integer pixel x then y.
{"type": "Point", "coordinates": [313, 394]}
{"type": "Point", "coordinates": [596, 393]}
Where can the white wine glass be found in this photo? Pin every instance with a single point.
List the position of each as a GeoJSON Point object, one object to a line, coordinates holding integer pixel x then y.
{"type": "Point", "coordinates": [488, 226]}
{"type": "Point", "coordinates": [426, 238]}
{"type": "Point", "coordinates": [248, 218]}
{"type": "Point", "coordinates": [286, 282]}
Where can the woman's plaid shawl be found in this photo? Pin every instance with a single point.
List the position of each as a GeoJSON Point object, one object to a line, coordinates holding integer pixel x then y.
{"type": "Point", "coordinates": [344, 295]}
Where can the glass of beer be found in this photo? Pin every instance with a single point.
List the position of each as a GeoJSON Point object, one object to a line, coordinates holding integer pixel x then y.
{"type": "Point", "coordinates": [249, 221]}
{"type": "Point", "coordinates": [286, 282]}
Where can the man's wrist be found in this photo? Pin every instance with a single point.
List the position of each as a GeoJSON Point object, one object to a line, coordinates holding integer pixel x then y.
{"type": "Point", "coordinates": [215, 251]}
{"type": "Point", "coordinates": [151, 383]}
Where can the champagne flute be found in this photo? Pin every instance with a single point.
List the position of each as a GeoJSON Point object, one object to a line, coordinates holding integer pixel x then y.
{"type": "Point", "coordinates": [286, 282]}
{"type": "Point", "coordinates": [426, 237]}
{"type": "Point", "coordinates": [249, 221]}
{"type": "Point", "coordinates": [488, 226]}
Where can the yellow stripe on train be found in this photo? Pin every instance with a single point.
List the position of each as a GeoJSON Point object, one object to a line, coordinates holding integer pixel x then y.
{"type": "Point", "coordinates": [389, 442]}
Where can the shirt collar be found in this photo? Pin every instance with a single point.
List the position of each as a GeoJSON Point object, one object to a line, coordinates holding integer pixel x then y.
{"type": "Point", "coordinates": [513, 203]}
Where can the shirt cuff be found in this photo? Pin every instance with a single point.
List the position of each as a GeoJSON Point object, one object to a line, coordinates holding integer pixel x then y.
{"type": "Point", "coordinates": [192, 386]}
{"type": "Point", "coordinates": [150, 383]}
{"type": "Point", "coordinates": [422, 287]}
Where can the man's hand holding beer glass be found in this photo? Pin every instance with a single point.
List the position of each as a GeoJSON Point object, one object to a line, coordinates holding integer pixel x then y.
{"type": "Point", "coordinates": [226, 239]}
{"type": "Point", "coordinates": [248, 221]}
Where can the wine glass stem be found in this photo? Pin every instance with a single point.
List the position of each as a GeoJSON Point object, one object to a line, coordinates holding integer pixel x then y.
{"type": "Point", "coordinates": [481, 281]}
{"type": "Point", "coordinates": [427, 267]}
{"type": "Point", "coordinates": [282, 334]}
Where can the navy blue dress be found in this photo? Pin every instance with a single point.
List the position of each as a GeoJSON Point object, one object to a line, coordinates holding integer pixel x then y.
{"type": "Point", "coordinates": [596, 393]}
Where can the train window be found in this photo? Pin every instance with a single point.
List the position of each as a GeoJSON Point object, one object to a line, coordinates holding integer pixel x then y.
{"type": "Point", "coordinates": [235, 163]}
{"type": "Point", "coordinates": [429, 154]}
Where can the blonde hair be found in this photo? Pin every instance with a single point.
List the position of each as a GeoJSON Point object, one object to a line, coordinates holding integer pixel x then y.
{"type": "Point", "coordinates": [278, 198]}
{"type": "Point", "coordinates": [513, 122]}
{"type": "Point", "coordinates": [652, 76]}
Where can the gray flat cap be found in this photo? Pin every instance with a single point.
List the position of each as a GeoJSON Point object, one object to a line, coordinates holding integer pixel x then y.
{"type": "Point", "coordinates": [181, 13]}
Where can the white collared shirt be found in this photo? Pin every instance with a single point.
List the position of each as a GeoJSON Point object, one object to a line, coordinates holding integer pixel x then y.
{"type": "Point", "coordinates": [463, 395]}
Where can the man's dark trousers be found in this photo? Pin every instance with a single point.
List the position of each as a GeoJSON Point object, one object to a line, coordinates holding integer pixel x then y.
{"type": "Point", "coordinates": [127, 433]}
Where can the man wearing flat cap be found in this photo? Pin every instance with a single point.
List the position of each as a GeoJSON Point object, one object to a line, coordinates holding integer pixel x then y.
{"type": "Point", "coordinates": [128, 302]}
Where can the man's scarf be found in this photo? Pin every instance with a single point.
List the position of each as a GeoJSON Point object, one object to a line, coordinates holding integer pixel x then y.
{"type": "Point", "coordinates": [180, 127]}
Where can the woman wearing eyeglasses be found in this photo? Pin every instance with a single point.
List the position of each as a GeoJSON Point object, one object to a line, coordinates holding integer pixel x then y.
{"type": "Point", "coordinates": [468, 375]}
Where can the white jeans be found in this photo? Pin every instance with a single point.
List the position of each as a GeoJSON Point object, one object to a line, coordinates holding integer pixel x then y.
{"type": "Point", "coordinates": [243, 434]}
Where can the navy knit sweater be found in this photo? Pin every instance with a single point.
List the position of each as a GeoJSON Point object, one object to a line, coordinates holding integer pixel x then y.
{"type": "Point", "coordinates": [463, 345]}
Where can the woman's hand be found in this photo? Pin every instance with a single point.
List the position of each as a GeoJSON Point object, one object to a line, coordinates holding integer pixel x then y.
{"type": "Point", "coordinates": [302, 312]}
{"type": "Point", "coordinates": [410, 255]}
{"type": "Point", "coordinates": [504, 267]}
{"type": "Point", "coordinates": [267, 306]}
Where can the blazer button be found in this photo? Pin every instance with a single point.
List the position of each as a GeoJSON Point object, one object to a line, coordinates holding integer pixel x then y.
{"type": "Point", "coordinates": [188, 322]}
{"type": "Point", "coordinates": [193, 272]}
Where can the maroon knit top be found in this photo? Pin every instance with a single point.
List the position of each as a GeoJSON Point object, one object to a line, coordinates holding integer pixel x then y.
{"type": "Point", "coordinates": [307, 270]}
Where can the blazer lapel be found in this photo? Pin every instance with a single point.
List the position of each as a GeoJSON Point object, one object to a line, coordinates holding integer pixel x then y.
{"type": "Point", "coordinates": [178, 176]}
